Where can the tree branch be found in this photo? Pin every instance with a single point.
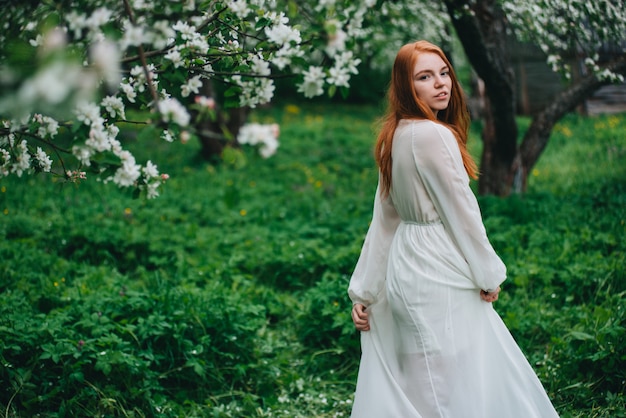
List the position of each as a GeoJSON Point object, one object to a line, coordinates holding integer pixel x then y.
{"type": "Point", "coordinates": [142, 57]}
{"type": "Point", "coordinates": [538, 134]}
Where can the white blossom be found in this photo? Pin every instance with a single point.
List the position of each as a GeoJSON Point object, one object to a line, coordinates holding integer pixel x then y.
{"type": "Point", "coordinates": [239, 7]}
{"type": "Point", "coordinates": [129, 171]}
{"type": "Point", "coordinates": [44, 160]}
{"type": "Point", "coordinates": [191, 86]}
{"type": "Point", "coordinates": [276, 18]}
{"type": "Point", "coordinates": [129, 91]}
{"type": "Point", "coordinates": [282, 34]}
{"type": "Point", "coordinates": [54, 40]}
{"type": "Point", "coordinates": [163, 34]}
{"type": "Point", "coordinates": [324, 4]}
{"type": "Point", "coordinates": [174, 56]}
{"type": "Point", "coordinates": [258, 134]}
{"type": "Point", "coordinates": [88, 113]}
{"type": "Point", "coordinates": [37, 41]}
{"type": "Point", "coordinates": [282, 58]}
{"type": "Point", "coordinates": [77, 22]}
{"type": "Point", "coordinates": [347, 60]}
{"type": "Point", "coordinates": [98, 138]}
{"type": "Point", "coordinates": [336, 37]}
{"type": "Point", "coordinates": [152, 190]}
{"type": "Point", "coordinates": [269, 147]}
{"type": "Point", "coordinates": [133, 35]}
{"type": "Point", "coordinates": [6, 161]}
{"type": "Point", "coordinates": [22, 159]}
{"type": "Point", "coordinates": [112, 131]}
{"type": "Point", "coordinates": [338, 77]}
{"type": "Point", "coordinates": [172, 110]}
{"type": "Point", "coordinates": [186, 31]}
{"type": "Point", "coordinates": [100, 17]}
{"type": "Point", "coordinates": [208, 102]}
{"type": "Point", "coordinates": [83, 154]}
{"type": "Point", "coordinates": [138, 77]}
{"type": "Point", "coordinates": [116, 146]}
{"type": "Point", "coordinates": [49, 126]}
{"type": "Point", "coordinates": [260, 66]}
{"type": "Point", "coordinates": [114, 106]}
{"type": "Point", "coordinates": [52, 84]}
{"type": "Point", "coordinates": [106, 57]}
{"type": "Point", "coordinates": [313, 84]}
{"type": "Point", "coordinates": [265, 90]}
{"type": "Point", "coordinates": [150, 170]}
{"type": "Point", "coordinates": [197, 43]}
{"type": "Point", "coordinates": [167, 136]}
{"type": "Point", "coordinates": [255, 92]}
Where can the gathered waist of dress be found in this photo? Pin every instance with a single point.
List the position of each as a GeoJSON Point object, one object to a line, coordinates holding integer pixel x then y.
{"type": "Point", "coordinates": [422, 222]}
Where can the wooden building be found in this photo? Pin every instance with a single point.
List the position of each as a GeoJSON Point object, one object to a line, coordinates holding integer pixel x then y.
{"type": "Point", "coordinates": [537, 84]}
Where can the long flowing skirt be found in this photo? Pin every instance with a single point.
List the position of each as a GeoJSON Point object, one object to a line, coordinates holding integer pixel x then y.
{"type": "Point", "coordinates": [435, 349]}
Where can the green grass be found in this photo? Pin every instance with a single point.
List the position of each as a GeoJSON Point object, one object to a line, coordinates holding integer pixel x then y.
{"type": "Point", "coordinates": [226, 296]}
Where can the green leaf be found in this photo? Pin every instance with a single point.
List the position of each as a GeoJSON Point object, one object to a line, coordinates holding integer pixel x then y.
{"type": "Point", "coordinates": [243, 68]}
{"type": "Point", "coordinates": [582, 336]}
{"type": "Point", "coordinates": [292, 9]}
{"type": "Point", "coordinates": [106, 158]}
{"type": "Point", "coordinates": [227, 63]}
{"type": "Point", "coordinates": [332, 90]}
{"type": "Point", "coordinates": [232, 91]}
{"type": "Point", "coordinates": [262, 22]}
{"type": "Point", "coordinates": [232, 102]}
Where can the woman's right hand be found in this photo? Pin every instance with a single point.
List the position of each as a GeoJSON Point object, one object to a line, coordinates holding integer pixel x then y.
{"type": "Point", "coordinates": [359, 317]}
{"type": "Point", "coordinates": [490, 297]}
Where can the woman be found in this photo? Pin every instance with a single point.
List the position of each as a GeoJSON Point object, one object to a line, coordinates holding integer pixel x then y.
{"type": "Point", "coordinates": [432, 345]}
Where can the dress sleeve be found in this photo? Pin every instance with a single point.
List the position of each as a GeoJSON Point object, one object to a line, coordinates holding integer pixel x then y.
{"type": "Point", "coordinates": [368, 278]}
{"type": "Point", "coordinates": [440, 167]}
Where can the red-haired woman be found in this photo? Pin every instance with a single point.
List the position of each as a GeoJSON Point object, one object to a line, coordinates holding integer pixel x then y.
{"type": "Point", "coordinates": [432, 344]}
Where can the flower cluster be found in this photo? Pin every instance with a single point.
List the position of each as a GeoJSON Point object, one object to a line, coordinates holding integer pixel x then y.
{"type": "Point", "coordinates": [549, 24]}
{"type": "Point", "coordinates": [102, 138]}
{"type": "Point", "coordinates": [263, 136]}
{"type": "Point", "coordinates": [15, 155]}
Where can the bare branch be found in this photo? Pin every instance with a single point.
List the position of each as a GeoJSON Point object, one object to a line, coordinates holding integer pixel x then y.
{"type": "Point", "coordinates": [142, 57]}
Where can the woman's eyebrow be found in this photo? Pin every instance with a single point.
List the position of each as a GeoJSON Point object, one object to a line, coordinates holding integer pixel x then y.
{"type": "Point", "coordinates": [428, 71]}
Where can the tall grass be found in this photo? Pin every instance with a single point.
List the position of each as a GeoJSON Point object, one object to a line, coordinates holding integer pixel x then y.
{"type": "Point", "coordinates": [226, 296]}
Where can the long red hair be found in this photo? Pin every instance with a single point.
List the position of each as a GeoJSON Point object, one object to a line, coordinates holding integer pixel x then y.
{"type": "Point", "coordinates": [403, 103]}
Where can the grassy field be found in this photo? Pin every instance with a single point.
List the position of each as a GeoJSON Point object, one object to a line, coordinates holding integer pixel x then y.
{"type": "Point", "coordinates": [226, 296]}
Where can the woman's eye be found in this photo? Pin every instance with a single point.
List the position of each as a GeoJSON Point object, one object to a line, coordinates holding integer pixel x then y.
{"type": "Point", "coordinates": [445, 73]}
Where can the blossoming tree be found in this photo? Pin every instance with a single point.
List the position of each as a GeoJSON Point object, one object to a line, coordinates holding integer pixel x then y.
{"type": "Point", "coordinates": [73, 70]}
{"type": "Point", "coordinates": [563, 30]}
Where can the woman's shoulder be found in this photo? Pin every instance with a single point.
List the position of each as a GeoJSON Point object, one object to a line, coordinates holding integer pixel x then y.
{"type": "Point", "coordinates": [418, 129]}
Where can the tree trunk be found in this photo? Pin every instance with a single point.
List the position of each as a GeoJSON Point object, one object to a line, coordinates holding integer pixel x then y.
{"type": "Point", "coordinates": [481, 27]}
{"type": "Point", "coordinates": [216, 134]}
{"type": "Point", "coordinates": [536, 138]}
{"type": "Point", "coordinates": [482, 31]}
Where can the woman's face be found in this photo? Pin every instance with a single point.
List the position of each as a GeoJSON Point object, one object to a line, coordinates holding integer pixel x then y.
{"type": "Point", "coordinates": [432, 82]}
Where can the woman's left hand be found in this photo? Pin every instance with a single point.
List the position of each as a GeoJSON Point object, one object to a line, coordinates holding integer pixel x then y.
{"type": "Point", "coordinates": [490, 296]}
{"type": "Point", "coordinates": [360, 317]}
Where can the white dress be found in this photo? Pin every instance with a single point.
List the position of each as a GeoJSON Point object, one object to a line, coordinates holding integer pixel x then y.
{"type": "Point", "coordinates": [435, 348]}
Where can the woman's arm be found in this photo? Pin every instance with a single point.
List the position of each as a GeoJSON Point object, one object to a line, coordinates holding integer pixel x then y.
{"type": "Point", "coordinates": [368, 277]}
{"type": "Point", "coordinates": [439, 165]}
